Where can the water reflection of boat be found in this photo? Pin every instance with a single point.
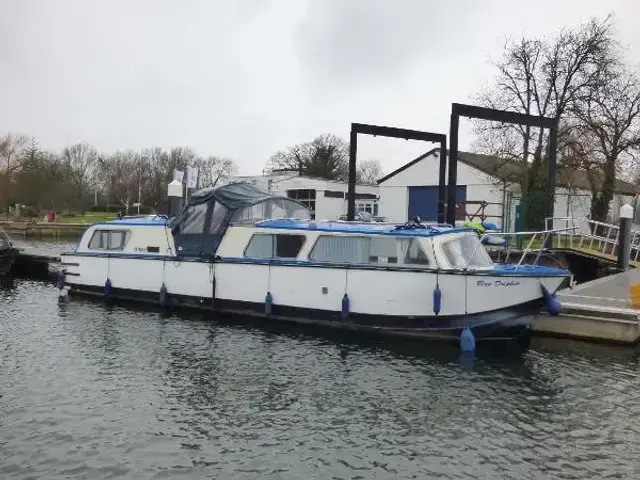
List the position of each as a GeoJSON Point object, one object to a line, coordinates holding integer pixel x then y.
{"type": "Point", "coordinates": [6, 253]}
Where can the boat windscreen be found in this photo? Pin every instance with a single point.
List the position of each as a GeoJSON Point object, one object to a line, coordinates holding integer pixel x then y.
{"type": "Point", "coordinates": [466, 251]}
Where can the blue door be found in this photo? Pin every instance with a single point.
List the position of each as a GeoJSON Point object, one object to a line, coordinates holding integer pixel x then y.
{"type": "Point", "coordinates": [423, 202]}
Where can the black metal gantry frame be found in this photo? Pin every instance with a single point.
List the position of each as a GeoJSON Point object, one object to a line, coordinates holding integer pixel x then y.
{"type": "Point", "coordinates": [471, 111]}
{"type": "Point", "coordinates": [393, 132]}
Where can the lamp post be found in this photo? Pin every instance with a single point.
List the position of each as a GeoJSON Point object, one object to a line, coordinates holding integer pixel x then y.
{"type": "Point", "coordinates": [624, 236]}
{"type": "Point", "coordinates": [174, 192]}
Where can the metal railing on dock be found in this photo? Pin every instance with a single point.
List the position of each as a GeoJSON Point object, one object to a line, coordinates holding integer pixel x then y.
{"type": "Point", "coordinates": [594, 236]}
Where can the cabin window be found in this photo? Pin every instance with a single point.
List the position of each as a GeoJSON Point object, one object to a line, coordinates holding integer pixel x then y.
{"type": "Point", "coordinates": [269, 209]}
{"type": "Point", "coordinates": [109, 239]}
{"type": "Point", "coordinates": [250, 214]}
{"type": "Point", "coordinates": [274, 246]}
{"type": "Point", "coordinates": [413, 252]}
{"type": "Point", "coordinates": [375, 250]}
{"type": "Point", "coordinates": [383, 250]}
{"type": "Point", "coordinates": [193, 222]}
{"type": "Point", "coordinates": [217, 217]}
{"type": "Point", "coordinates": [466, 251]}
{"type": "Point", "coordinates": [341, 249]}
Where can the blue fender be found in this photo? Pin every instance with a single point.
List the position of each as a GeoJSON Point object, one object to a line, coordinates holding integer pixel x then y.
{"type": "Point", "coordinates": [554, 307]}
{"type": "Point", "coordinates": [437, 300]}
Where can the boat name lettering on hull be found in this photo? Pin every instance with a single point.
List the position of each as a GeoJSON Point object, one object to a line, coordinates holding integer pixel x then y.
{"type": "Point", "coordinates": [497, 283]}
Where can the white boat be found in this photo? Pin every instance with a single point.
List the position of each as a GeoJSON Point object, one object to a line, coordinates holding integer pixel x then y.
{"type": "Point", "coordinates": [237, 249]}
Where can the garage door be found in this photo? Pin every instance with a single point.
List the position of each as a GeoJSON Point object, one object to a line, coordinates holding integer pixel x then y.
{"type": "Point", "coordinates": [423, 201]}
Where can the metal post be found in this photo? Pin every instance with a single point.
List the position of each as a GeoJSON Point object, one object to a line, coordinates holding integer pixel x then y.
{"type": "Point", "coordinates": [453, 169]}
{"type": "Point", "coordinates": [351, 190]}
{"type": "Point", "coordinates": [624, 237]}
{"type": "Point", "coordinates": [442, 186]}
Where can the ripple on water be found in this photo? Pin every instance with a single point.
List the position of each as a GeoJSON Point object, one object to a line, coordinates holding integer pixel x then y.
{"type": "Point", "coordinates": [96, 391]}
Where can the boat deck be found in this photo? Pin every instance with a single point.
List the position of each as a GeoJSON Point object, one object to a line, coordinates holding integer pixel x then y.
{"type": "Point", "coordinates": [607, 291]}
{"type": "Point", "coordinates": [597, 310]}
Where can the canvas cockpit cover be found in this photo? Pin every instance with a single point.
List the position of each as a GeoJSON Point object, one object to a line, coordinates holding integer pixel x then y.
{"type": "Point", "coordinates": [198, 230]}
{"type": "Point", "coordinates": [233, 196]}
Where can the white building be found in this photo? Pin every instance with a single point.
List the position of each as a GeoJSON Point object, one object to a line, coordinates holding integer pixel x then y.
{"type": "Point", "coordinates": [487, 185]}
{"type": "Point", "coordinates": [327, 199]}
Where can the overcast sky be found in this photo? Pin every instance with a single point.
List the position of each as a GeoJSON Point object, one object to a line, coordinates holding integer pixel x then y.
{"type": "Point", "coordinates": [244, 78]}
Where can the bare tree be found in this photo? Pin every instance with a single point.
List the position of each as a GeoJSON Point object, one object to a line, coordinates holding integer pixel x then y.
{"type": "Point", "coordinates": [158, 173]}
{"type": "Point", "coordinates": [369, 171]}
{"type": "Point", "coordinates": [326, 156]}
{"type": "Point", "coordinates": [121, 176]}
{"type": "Point", "coordinates": [212, 170]}
{"type": "Point", "coordinates": [12, 148]}
{"type": "Point", "coordinates": [609, 121]}
{"type": "Point", "coordinates": [80, 161]}
{"type": "Point", "coordinates": [544, 78]}
{"type": "Point", "coordinates": [40, 182]}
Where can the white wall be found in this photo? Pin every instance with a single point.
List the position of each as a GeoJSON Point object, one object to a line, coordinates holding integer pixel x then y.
{"type": "Point", "coordinates": [394, 203]}
{"type": "Point", "coordinates": [394, 194]}
{"type": "Point", "coordinates": [326, 208]}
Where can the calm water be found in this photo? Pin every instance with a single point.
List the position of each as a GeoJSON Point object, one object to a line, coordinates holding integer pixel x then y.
{"type": "Point", "coordinates": [90, 390]}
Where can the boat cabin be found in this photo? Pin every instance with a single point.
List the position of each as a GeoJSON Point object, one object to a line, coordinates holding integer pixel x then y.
{"type": "Point", "coordinates": [338, 243]}
{"type": "Point", "coordinates": [238, 222]}
{"type": "Point", "coordinates": [139, 235]}
{"type": "Point", "coordinates": [198, 230]}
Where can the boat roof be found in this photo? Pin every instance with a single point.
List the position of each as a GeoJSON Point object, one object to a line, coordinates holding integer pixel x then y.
{"type": "Point", "coordinates": [235, 195]}
{"type": "Point", "coordinates": [410, 230]}
{"type": "Point", "coordinates": [146, 221]}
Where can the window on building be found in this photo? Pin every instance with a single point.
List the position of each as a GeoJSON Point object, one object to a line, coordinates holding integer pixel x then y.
{"type": "Point", "coordinates": [369, 206]}
{"type": "Point", "coordinates": [265, 245]}
{"type": "Point", "coordinates": [305, 196]}
{"type": "Point", "coordinates": [193, 221]}
{"type": "Point", "coordinates": [109, 239]}
{"type": "Point", "coordinates": [364, 207]}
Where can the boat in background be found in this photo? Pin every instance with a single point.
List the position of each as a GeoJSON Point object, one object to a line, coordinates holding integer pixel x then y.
{"type": "Point", "coordinates": [237, 249]}
{"type": "Point", "coordinates": [7, 253]}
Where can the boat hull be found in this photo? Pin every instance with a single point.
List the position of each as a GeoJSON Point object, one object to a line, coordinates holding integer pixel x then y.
{"type": "Point", "coordinates": [381, 300]}
{"type": "Point", "coordinates": [502, 325]}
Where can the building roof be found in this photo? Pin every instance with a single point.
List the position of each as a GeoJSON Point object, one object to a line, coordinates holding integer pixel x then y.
{"type": "Point", "coordinates": [407, 165]}
{"type": "Point", "coordinates": [283, 175]}
{"type": "Point", "coordinates": [509, 170]}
